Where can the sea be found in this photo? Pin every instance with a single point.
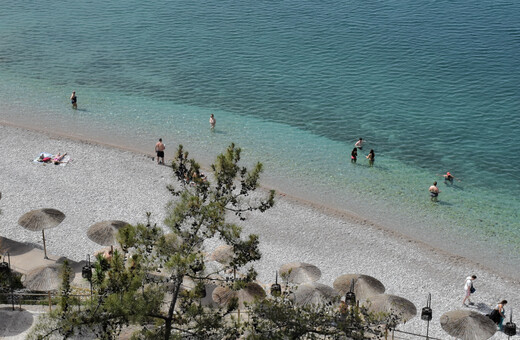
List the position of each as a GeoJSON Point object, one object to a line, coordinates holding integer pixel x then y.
{"type": "Point", "coordinates": [431, 86]}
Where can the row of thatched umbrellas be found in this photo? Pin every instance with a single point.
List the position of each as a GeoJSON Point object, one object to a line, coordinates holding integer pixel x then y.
{"type": "Point", "coordinates": [460, 323]}
{"type": "Point", "coordinates": [47, 278]}
{"type": "Point", "coordinates": [103, 233]}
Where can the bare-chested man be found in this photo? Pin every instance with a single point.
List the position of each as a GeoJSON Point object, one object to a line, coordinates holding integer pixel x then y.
{"type": "Point", "coordinates": [434, 192]}
{"type": "Point", "coordinates": [159, 148]}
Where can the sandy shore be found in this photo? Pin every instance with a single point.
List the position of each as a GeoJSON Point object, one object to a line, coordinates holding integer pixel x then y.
{"type": "Point", "coordinates": [103, 183]}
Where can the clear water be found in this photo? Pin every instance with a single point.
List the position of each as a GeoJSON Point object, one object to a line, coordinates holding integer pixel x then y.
{"type": "Point", "coordinates": [432, 87]}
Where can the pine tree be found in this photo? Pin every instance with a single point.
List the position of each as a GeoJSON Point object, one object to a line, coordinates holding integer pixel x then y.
{"type": "Point", "coordinates": [142, 285]}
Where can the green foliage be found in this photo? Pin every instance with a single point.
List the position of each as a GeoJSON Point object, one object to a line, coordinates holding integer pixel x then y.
{"type": "Point", "coordinates": [280, 318]}
{"type": "Point", "coordinates": [143, 284]}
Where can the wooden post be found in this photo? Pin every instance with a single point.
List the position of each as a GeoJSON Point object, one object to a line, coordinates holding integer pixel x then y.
{"type": "Point", "coordinates": [44, 246]}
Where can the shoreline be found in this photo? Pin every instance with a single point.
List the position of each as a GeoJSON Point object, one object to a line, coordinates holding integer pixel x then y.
{"type": "Point", "coordinates": [319, 208]}
{"type": "Point", "coordinates": [96, 186]}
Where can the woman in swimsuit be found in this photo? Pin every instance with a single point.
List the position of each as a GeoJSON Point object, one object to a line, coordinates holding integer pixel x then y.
{"type": "Point", "coordinates": [371, 157]}
{"type": "Point", "coordinates": [74, 100]}
{"type": "Point", "coordinates": [353, 155]}
{"type": "Point", "coordinates": [58, 158]}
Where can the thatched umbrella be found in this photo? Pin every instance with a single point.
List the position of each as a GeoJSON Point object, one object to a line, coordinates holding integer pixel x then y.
{"type": "Point", "coordinates": [299, 272]}
{"type": "Point", "coordinates": [41, 219]}
{"type": "Point", "coordinates": [46, 279]}
{"type": "Point", "coordinates": [223, 254]}
{"type": "Point", "coordinates": [468, 325]}
{"type": "Point", "coordinates": [314, 293]}
{"type": "Point", "coordinates": [223, 295]}
{"type": "Point", "coordinates": [104, 233]}
{"type": "Point", "coordinates": [364, 285]}
{"type": "Point", "coordinates": [386, 303]}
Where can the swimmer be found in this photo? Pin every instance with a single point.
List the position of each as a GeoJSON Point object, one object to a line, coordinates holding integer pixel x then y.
{"type": "Point", "coordinates": [359, 143]}
{"type": "Point", "coordinates": [449, 177]}
{"type": "Point", "coordinates": [434, 191]}
{"type": "Point", "coordinates": [74, 100]}
{"type": "Point", "coordinates": [353, 155]}
{"type": "Point", "coordinates": [212, 121]}
{"type": "Point", "coordinates": [371, 157]}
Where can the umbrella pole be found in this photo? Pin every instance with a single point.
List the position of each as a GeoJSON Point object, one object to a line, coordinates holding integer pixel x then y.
{"type": "Point", "coordinates": [44, 247]}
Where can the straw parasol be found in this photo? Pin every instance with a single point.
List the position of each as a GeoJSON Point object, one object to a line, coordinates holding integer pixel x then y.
{"type": "Point", "coordinates": [468, 325]}
{"type": "Point", "coordinates": [314, 293]}
{"type": "Point", "coordinates": [223, 254]}
{"type": "Point", "coordinates": [223, 295]}
{"type": "Point", "coordinates": [104, 233]}
{"type": "Point", "coordinates": [386, 303]}
{"type": "Point", "coordinates": [41, 219]}
{"type": "Point", "coordinates": [45, 279]}
{"type": "Point", "coordinates": [364, 285]}
{"type": "Point", "coordinates": [299, 272]}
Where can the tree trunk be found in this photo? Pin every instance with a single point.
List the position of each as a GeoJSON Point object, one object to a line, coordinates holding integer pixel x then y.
{"type": "Point", "coordinates": [169, 320]}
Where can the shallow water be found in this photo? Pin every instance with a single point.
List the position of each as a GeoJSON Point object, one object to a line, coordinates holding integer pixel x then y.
{"type": "Point", "coordinates": [431, 87]}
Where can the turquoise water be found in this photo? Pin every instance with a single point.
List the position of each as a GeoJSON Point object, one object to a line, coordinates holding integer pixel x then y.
{"type": "Point", "coordinates": [432, 87]}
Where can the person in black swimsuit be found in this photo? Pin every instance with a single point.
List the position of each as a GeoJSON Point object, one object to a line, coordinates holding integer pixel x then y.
{"type": "Point", "coordinates": [74, 100]}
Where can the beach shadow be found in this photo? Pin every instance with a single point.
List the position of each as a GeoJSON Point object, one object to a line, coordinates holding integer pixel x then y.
{"type": "Point", "coordinates": [218, 132]}
{"type": "Point", "coordinates": [14, 247]}
{"type": "Point", "coordinates": [483, 308]}
{"type": "Point", "coordinates": [444, 203]}
{"type": "Point", "coordinates": [14, 322]}
{"type": "Point", "coordinates": [453, 185]}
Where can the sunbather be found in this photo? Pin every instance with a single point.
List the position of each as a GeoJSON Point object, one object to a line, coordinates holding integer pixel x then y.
{"type": "Point", "coordinates": [58, 158]}
{"type": "Point", "coordinates": [43, 158]}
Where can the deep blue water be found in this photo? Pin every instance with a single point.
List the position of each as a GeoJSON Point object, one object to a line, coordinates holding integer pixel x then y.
{"type": "Point", "coordinates": [431, 86]}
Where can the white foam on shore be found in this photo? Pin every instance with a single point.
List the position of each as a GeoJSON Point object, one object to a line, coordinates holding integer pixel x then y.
{"type": "Point", "coordinates": [103, 183]}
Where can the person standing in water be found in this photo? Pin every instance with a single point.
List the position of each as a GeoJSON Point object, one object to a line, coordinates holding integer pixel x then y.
{"type": "Point", "coordinates": [353, 155]}
{"type": "Point", "coordinates": [434, 192]}
{"type": "Point", "coordinates": [371, 157]}
{"type": "Point", "coordinates": [212, 121]}
{"type": "Point", "coordinates": [159, 149]}
{"type": "Point", "coordinates": [74, 100]}
{"type": "Point", "coordinates": [359, 143]}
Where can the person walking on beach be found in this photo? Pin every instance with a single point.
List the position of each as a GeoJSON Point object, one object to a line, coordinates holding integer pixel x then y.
{"type": "Point", "coordinates": [434, 192]}
{"type": "Point", "coordinates": [212, 121]}
{"type": "Point", "coordinates": [353, 155]}
{"type": "Point", "coordinates": [371, 157]}
{"type": "Point", "coordinates": [159, 149]}
{"type": "Point", "coordinates": [469, 289]}
{"type": "Point", "coordinates": [359, 143]}
{"type": "Point", "coordinates": [499, 314]}
{"type": "Point", "coordinates": [74, 100]}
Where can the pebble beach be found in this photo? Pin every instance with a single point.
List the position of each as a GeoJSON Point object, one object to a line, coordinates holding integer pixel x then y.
{"type": "Point", "coordinates": [106, 182]}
